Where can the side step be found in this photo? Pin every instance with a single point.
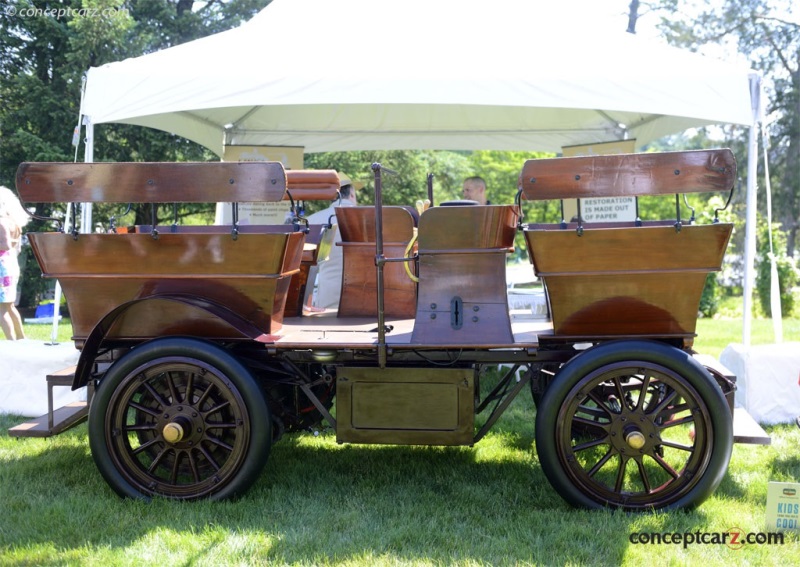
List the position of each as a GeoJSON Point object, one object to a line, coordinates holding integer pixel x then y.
{"type": "Point", "coordinates": [55, 421]}
{"type": "Point", "coordinates": [747, 430]}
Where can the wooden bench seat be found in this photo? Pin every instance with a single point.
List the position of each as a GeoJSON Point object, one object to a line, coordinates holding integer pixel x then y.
{"type": "Point", "coordinates": [619, 279]}
{"type": "Point", "coordinates": [247, 274]}
{"type": "Point", "coordinates": [359, 296]}
{"type": "Point", "coordinates": [462, 267]}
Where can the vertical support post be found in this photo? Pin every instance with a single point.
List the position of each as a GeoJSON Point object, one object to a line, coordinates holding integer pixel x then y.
{"type": "Point", "coordinates": [380, 260]}
{"type": "Point", "coordinates": [430, 188]}
{"type": "Point", "coordinates": [750, 217]}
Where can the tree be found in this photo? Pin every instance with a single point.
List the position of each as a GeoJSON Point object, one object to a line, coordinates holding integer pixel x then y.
{"type": "Point", "coordinates": [46, 46]}
{"type": "Point", "coordinates": [765, 32]}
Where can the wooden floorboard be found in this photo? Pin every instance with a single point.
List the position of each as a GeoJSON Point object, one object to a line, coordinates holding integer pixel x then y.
{"type": "Point", "coordinates": [325, 329]}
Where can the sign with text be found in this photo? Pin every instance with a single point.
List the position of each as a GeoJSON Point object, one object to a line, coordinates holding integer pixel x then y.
{"type": "Point", "coordinates": [260, 213]}
{"type": "Point", "coordinates": [783, 506]}
{"type": "Point", "coordinates": [602, 209]}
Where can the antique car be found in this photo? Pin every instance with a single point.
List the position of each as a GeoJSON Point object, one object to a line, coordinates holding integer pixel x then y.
{"type": "Point", "coordinates": [197, 355]}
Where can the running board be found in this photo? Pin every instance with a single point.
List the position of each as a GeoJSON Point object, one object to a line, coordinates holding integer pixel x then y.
{"type": "Point", "coordinates": [747, 430]}
{"type": "Point", "coordinates": [58, 420]}
{"type": "Point", "coordinates": [62, 419]}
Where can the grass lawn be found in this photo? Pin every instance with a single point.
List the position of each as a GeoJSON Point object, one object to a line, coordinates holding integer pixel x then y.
{"type": "Point", "coordinates": [320, 503]}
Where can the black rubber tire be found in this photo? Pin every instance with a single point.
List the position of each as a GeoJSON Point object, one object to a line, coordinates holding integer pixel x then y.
{"type": "Point", "coordinates": [197, 385]}
{"type": "Point", "coordinates": [573, 418]}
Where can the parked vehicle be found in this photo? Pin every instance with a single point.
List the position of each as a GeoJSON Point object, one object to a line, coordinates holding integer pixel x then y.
{"type": "Point", "coordinates": [198, 355]}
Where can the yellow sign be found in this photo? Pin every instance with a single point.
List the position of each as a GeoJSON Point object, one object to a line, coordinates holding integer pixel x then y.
{"type": "Point", "coordinates": [290, 156]}
{"type": "Point", "coordinates": [600, 148]}
{"type": "Point", "coordinates": [601, 209]}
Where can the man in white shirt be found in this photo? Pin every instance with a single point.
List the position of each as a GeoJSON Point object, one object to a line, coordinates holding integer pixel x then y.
{"type": "Point", "coordinates": [329, 278]}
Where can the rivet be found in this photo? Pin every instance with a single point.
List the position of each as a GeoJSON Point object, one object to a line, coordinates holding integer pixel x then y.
{"type": "Point", "coordinates": [151, 182]}
{"type": "Point", "coordinates": [533, 180]}
{"type": "Point", "coordinates": [577, 178]}
{"type": "Point", "coordinates": [230, 180]}
{"type": "Point", "coordinates": [433, 306]}
{"type": "Point", "coordinates": [69, 182]}
{"type": "Point", "coordinates": [433, 315]}
{"type": "Point", "coordinates": [476, 308]}
{"type": "Point", "coordinates": [677, 172]}
{"type": "Point", "coordinates": [475, 319]}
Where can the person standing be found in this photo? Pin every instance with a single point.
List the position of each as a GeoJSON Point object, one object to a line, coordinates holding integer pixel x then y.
{"type": "Point", "coordinates": [329, 278]}
{"type": "Point", "coordinates": [12, 218]}
{"type": "Point", "coordinates": [475, 190]}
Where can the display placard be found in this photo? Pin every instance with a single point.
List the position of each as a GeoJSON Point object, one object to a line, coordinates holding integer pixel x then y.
{"type": "Point", "coordinates": [260, 213]}
{"type": "Point", "coordinates": [601, 209]}
{"type": "Point", "coordinates": [783, 506]}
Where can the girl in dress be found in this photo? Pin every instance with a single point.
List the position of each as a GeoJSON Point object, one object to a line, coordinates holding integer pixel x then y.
{"type": "Point", "coordinates": [12, 218]}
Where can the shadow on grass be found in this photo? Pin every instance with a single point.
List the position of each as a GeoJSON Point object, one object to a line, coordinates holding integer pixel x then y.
{"type": "Point", "coordinates": [318, 502]}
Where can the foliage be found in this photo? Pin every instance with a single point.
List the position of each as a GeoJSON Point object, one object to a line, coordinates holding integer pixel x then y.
{"type": "Point", "coordinates": [788, 275]}
{"type": "Point", "coordinates": [43, 57]}
{"type": "Point", "coordinates": [767, 32]}
{"type": "Point", "coordinates": [709, 300]}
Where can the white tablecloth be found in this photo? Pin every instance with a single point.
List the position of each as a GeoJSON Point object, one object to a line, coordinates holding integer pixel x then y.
{"type": "Point", "coordinates": [25, 365]}
{"type": "Point", "coordinates": [767, 380]}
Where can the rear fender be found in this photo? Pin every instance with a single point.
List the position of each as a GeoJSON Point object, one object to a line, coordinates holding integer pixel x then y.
{"type": "Point", "coordinates": [94, 342]}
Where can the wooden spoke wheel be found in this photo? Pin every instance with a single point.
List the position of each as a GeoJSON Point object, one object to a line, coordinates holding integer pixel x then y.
{"type": "Point", "coordinates": [634, 425]}
{"type": "Point", "coordinates": [179, 418]}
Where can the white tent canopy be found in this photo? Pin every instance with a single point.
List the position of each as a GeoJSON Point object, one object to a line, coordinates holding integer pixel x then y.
{"type": "Point", "coordinates": [341, 75]}
{"type": "Point", "coordinates": [344, 75]}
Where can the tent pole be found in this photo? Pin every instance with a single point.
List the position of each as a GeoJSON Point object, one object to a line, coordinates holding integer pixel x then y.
{"type": "Point", "coordinates": [86, 208]}
{"type": "Point", "coordinates": [750, 218]}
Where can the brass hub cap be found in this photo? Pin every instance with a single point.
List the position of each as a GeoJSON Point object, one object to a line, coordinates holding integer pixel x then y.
{"type": "Point", "coordinates": [172, 432]}
{"type": "Point", "coordinates": [635, 439]}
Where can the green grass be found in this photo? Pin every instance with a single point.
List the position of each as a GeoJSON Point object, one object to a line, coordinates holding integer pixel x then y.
{"type": "Point", "coordinates": [45, 332]}
{"type": "Point", "coordinates": [320, 503]}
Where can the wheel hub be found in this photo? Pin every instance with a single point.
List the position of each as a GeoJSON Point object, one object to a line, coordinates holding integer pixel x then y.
{"type": "Point", "coordinates": [635, 439]}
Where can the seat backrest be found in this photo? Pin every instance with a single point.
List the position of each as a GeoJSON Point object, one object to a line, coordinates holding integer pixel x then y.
{"type": "Point", "coordinates": [626, 175]}
{"type": "Point", "coordinates": [615, 279]}
{"type": "Point", "coordinates": [147, 182]}
{"type": "Point", "coordinates": [460, 228]}
{"type": "Point", "coordinates": [357, 224]}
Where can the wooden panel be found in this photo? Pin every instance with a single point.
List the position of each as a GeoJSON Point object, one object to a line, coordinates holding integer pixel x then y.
{"type": "Point", "coordinates": [64, 418]}
{"type": "Point", "coordinates": [478, 279]}
{"type": "Point", "coordinates": [459, 228]}
{"type": "Point", "coordinates": [405, 406]}
{"type": "Point", "coordinates": [357, 224]}
{"type": "Point", "coordinates": [627, 281]}
{"type": "Point", "coordinates": [462, 265]}
{"type": "Point", "coordinates": [646, 248]}
{"type": "Point", "coordinates": [148, 182]}
{"type": "Point", "coordinates": [184, 255]}
{"type": "Point", "coordinates": [312, 184]}
{"type": "Point", "coordinates": [625, 304]}
{"type": "Point", "coordinates": [628, 174]}
{"type": "Point", "coordinates": [98, 272]}
{"type": "Point", "coordinates": [359, 296]}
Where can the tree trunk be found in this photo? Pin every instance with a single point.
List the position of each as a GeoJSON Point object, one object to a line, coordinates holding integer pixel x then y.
{"type": "Point", "coordinates": [633, 15]}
